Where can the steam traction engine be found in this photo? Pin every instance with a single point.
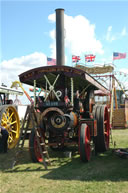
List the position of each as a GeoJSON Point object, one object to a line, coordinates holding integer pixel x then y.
{"type": "Point", "coordinates": [67, 112]}
{"type": "Point", "coordinates": [9, 118]}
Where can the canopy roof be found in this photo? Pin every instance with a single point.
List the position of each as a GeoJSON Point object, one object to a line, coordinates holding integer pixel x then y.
{"type": "Point", "coordinates": [96, 69]}
{"type": "Point", "coordinates": [81, 78]}
{"type": "Point", "coordinates": [6, 90]}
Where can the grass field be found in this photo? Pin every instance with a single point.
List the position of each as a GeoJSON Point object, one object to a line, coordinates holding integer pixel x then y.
{"type": "Point", "coordinates": [105, 173]}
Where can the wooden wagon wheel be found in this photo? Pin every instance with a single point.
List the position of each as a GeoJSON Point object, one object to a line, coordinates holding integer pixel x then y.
{"type": "Point", "coordinates": [84, 142]}
{"type": "Point", "coordinates": [10, 121]}
{"type": "Point", "coordinates": [103, 128]}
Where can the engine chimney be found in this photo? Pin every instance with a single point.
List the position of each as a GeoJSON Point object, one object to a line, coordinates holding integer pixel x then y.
{"type": "Point", "coordinates": [60, 56]}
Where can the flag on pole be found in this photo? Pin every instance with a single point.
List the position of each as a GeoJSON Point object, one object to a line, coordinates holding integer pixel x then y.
{"type": "Point", "coordinates": [89, 58]}
{"type": "Point", "coordinates": [117, 56]}
{"type": "Point", "coordinates": [75, 58]}
{"type": "Point", "coordinates": [51, 61]}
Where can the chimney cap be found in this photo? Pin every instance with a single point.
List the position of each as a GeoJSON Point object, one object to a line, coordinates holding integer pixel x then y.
{"type": "Point", "coordinates": [59, 9]}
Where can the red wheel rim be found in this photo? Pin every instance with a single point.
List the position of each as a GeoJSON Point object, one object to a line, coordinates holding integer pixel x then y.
{"type": "Point", "coordinates": [37, 151]}
{"type": "Point", "coordinates": [106, 127]}
{"type": "Point", "coordinates": [84, 147]}
{"type": "Point", "coordinates": [87, 143]}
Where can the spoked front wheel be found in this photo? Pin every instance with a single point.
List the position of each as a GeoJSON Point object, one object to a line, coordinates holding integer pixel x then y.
{"type": "Point", "coordinates": [9, 119]}
{"type": "Point", "coordinates": [84, 142]}
{"type": "Point", "coordinates": [34, 148]}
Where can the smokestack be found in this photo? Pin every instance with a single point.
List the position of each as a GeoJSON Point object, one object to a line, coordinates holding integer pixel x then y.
{"type": "Point", "coordinates": [60, 56]}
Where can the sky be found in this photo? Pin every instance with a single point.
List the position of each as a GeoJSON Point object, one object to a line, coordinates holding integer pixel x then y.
{"type": "Point", "coordinates": [91, 27]}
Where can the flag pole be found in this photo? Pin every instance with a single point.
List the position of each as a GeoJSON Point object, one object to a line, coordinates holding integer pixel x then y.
{"type": "Point", "coordinates": [76, 62]}
{"type": "Point", "coordinates": [112, 61]}
{"type": "Point", "coordinates": [72, 61]}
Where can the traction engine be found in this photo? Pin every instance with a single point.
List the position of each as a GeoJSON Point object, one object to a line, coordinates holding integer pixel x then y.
{"type": "Point", "coordinates": [9, 118]}
{"type": "Point", "coordinates": [67, 111]}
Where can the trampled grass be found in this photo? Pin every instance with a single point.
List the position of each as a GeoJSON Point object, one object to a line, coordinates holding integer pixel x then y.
{"type": "Point", "coordinates": [105, 173]}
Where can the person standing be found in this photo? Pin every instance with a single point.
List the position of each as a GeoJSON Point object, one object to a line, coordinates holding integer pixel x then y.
{"type": "Point", "coordinates": [3, 140]}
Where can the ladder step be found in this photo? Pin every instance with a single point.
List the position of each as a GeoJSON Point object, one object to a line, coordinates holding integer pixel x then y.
{"type": "Point", "coordinates": [47, 161]}
{"type": "Point", "coordinates": [20, 145]}
{"type": "Point", "coordinates": [44, 152]}
{"type": "Point", "coordinates": [42, 144]}
{"type": "Point", "coordinates": [31, 116]}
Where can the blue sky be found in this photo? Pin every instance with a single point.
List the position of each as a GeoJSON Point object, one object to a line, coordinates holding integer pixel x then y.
{"type": "Point", "coordinates": [25, 25]}
{"type": "Point", "coordinates": [27, 33]}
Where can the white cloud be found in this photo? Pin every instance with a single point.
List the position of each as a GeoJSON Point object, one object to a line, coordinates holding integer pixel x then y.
{"type": "Point", "coordinates": [124, 70]}
{"type": "Point", "coordinates": [110, 28]}
{"type": "Point", "coordinates": [79, 35]}
{"type": "Point", "coordinates": [10, 69]}
{"type": "Point", "coordinates": [53, 44]}
{"type": "Point", "coordinates": [124, 33]}
{"type": "Point", "coordinates": [111, 37]}
{"type": "Point", "coordinates": [52, 18]}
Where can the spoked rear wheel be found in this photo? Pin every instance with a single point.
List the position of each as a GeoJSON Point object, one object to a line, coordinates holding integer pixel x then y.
{"type": "Point", "coordinates": [103, 128]}
{"type": "Point", "coordinates": [84, 143]}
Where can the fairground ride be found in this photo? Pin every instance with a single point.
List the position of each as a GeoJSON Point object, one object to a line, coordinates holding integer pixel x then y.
{"type": "Point", "coordinates": [117, 84]}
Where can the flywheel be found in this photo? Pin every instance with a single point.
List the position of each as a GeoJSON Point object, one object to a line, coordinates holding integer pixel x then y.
{"type": "Point", "coordinates": [9, 119]}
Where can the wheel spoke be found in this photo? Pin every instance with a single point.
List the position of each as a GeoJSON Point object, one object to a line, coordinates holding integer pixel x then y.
{"type": "Point", "coordinates": [13, 122]}
{"type": "Point", "coordinates": [5, 116]}
{"type": "Point", "coordinates": [11, 115]}
{"type": "Point", "coordinates": [7, 113]}
{"type": "Point", "coordinates": [4, 122]}
{"type": "Point", "coordinates": [13, 131]}
{"type": "Point", "coordinates": [10, 138]}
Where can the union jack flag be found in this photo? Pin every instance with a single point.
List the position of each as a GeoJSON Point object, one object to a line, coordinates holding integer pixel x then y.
{"type": "Point", "coordinates": [51, 61]}
{"type": "Point", "coordinates": [75, 58]}
{"type": "Point", "coordinates": [89, 58]}
{"type": "Point", "coordinates": [117, 56]}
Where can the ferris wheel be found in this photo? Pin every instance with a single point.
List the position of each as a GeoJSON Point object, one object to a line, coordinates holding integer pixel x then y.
{"type": "Point", "coordinates": [122, 80]}
{"type": "Point", "coordinates": [108, 77]}
{"type": "Point", "coordinates": [118, 78]}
